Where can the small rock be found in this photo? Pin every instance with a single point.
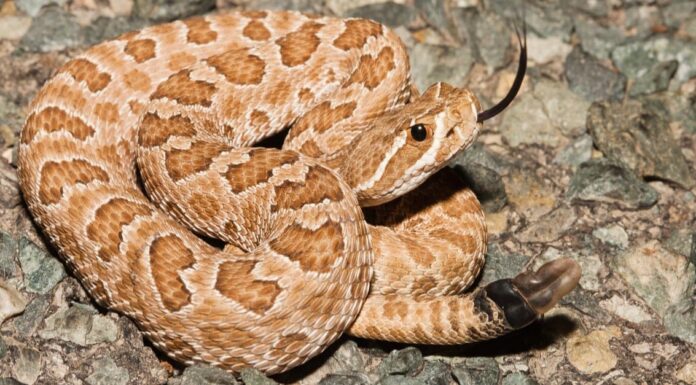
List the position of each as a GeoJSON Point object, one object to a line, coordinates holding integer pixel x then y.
{"type": "Point", "coordinates": [252, 376]}
{"type": "Point", "coordinates": [435, 14]}
{"type": "Point", "coordinates": [11, 301]}
{"type": "Point", "coordinates": [590, 79]}
{"type": "Point", "coordinates": [105, 372]}
{"type": "Point", "coordinates": [624, 309]}
{"type": "Point", "coordinates": [9, 381]}
{"type": "Point", "coordinates": [387, 13]}
{"type": "Point", "coordinates": [41, 271]}
{"type": "Point", "coordinates": [345, 379]}
{"type": "Point", "coordinates": [529, 194]}
{"type": "Point", "coordinates": [32, 7]}
{"type": "Point", "coordinates": [591, 353]}
{"type": "Point", "coordinates": [52, 30]}
{"type": "Point", "coordinates": [492, 39]}
{"type": "Point", "coordinates": [526, 122]}
{"type": "Point", "coordinates": [439, 63]}
{"type": "Point", "coordinates": [550, 227]}
{"type": "Point", "coordinates": [500, 265]}
{"type": "Point", "coordinates": [566, 110]}
{"type": "Point", "coordinates": [602, 180]}
{"type": "Point", "coordinates": [590, 265]}
{"type": "Point", "coordinates": [3, 348]}
{"type": "Point", "coordinates": [649, 150]}
{"type": "Point", "coordinates": [518, 379]}
{"type": "Point", "coordinates": [8, 250]}
{"type": "Point", "coordinates": [613, 235]}
{"type": "Point", "coordinates": [676, 12]}
{"type": "Point", "coordinates": [683, 241]}
{"type": "Point", "coordinates": [104, 28]}
{"type": "Point", "coordinates": [659, 276]}
{"type": "Point", "coordinates": [639, 58]}
{"type": "Point", "coordinates": [545, 19]}
{"type": "Point", "coordinates": [433, 373]}
{"type": "Point", "coordinates": [207, 375]}
{"type": "Point", "coordinates": [576, 152]}
{"type": "Point", "coordinates": [687, 373]}
{"type": "Point", "coordinates": [542, 50]}
{"type": "Point", "coordinates": [592, 7]}
{"type": "Point", "coordinates": [27, 323]}
{"type": "Point", "coordinates": [478, 168]}
{"type": "Point", "coordinates": [484, 371]}
{"type": "Point", "coordinates": [28, 365]}
{"type": "Point", "coordinates": [596, 39]}
{"type": "Point", "coordinates": [81, 325]}
{"type": "Point", "coordinates": [167, 10]}
{"type": "Point", "coordinates": [405, 361]}
{"type": "Point", "coordinates": [14, 27]}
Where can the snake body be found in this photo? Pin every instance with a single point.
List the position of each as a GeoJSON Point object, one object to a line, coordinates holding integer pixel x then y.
{"type": "Point", "coordinates": [177, 108]}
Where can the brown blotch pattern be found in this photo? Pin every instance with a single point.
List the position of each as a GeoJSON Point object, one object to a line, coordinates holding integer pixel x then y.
{"type": "Point", "coordinates": [315, 250]}
{"type": "Point", "coordinates": [356, 33]}
{"type": "Point", "coordinates": [108, 222]}
{"type": "Point", "coordinates": [297, 47]}
{"type": "Point", "coordinates": [311, 149]}
{"type": "Point", "coordinates": [205, 205]}
{"type": "Point", "coordinates": [371, 71]}
{"type": "Point", "coordinates": [183, 163]}
{"type": "Point", "coordinates": [254, 14]}
{"type": "Point", "coordinates": [420, 254]}
{"type": "Point", "coordinates": [258, 169]}
{"type": "Point", "coordinates": [140, 50]}
{"type": "Point", "coordinates": [465, 242]}
{"type": "Point", "coordinates": [183, 89]}
{"type": "Point", "coordinates": [168, 257]}
{"type": "Point", "coordinates": [305, 95]}
{"type": "Point", "coordinates": [57, 175]}
{"type": "Point", "coordinates": [258, 118]}
{"type": "Point", "coordinates": [83, 70]}
{"type": "Point", "coordinates": [137, 80]}
{"type": "Point", "coordinates": [180, 60]}
{"type": "Point", "coordinates": [199, 31]}
{"type": "Point", "coordinates": [52, 119]}
{"type": "Point", "coordinates": [319, 184]}
{"type": "Point", "coordinates": [155, 131]}
{"type": "Point", "coordinates": [106, 112]}
{"type": "Point", "coordinates": [236, 282]}
{"type": "Point", "coordinates": [239, 67]}
{"type": "Point", "coordinates": [323, 117]}
{"type": "Point", "coordinates": [292, 343]}
{"type": "Point", "coordinates": [257, 31]}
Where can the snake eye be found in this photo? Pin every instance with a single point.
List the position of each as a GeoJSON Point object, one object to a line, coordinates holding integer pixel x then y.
{"type": "Point", "coordinates": [418, 132]}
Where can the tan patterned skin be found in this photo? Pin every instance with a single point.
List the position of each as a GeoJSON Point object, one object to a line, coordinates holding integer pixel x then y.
{"type": "Point", "coordinates": [180, 107]}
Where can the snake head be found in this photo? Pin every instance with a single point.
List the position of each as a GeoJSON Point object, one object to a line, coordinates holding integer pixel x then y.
{"type": "Point", "coordinates": [407, 145]}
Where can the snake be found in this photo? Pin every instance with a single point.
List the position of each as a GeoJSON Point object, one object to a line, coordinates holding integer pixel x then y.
{"type": "Point", "coordinates": [145, 161]}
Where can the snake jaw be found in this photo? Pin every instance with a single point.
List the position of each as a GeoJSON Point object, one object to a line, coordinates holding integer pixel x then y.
{"type": "Point", "coordinates": [529, 295]}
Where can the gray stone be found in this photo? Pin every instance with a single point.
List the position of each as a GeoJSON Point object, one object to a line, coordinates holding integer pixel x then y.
{"type": "Point", "coordinates": [602, 180]}
{"type": "Point", "coordinates": [52, 30]}
{"type": "Point", "coordinates": [676, 12]}
{"type": "Point", "coordinates": [492, 39]}
{"type": "Point", "coordinates": [566, 110]}
{"type": "Point", "coordinates": [345, 379]}
{"type": "Point", "coordinates": [435, 14]}
{"type": "Point", "coordinates": [526, 122]}
{"type": "Point", "coordinates": [388, 13]}
{"type": "Point", "coordinates": [439, 63]}
{"type": "Point", "coordinates": [641, 19]}
{"type": "Point", "coordinates": [27, 323]}
{"type": "Point", "coordinates": [104, 28]}
{"type": "Point", "coordinates": [518, 378]}
{"type": "Point", "coordinates": [11, 301]}
{"type": "Point", "coordinates": [637, 134]}
{"type": "Point", "coordinates": [683, 241]}
{"type": "Point", "coordinates": [9, 381]}
{"type": "Point", "coordinates": [500, 265]}
{"type": "Point", "coordinates": [13, 27]}
{"type": "Point", "coordinates": [590, 79]}
{"type": "Point", "coordinates": [405, 361]}
{"type": "Point", "coordinates": [41, 271]}
{"type": "Point", "coordinates": [81, 325]}
{"type": "Point", "coordinates": [576, 152]}
{"type": "Point", "coordinates": [8, 251]}
{"type": "Point", "coordinates": [28, 365]}
{"type": "Point", "coordinates": [596, 39]}
{"type": "Point", "coordinates": [3, 348]}
{"type": "Point", "coordinates": [311, 6]}
{"type": "Point", "coordinates": [479, 170]}
{"type": "Point", "coordinates": [613, 235]}
{"type": "Point", "coordinates": [32, 7]}
{"type": "Point", "coordinates": [105, 372]}
{"type": "Point", "coordinates": [433, 373]}
{"type": "Point", "coordinates": [624, 309]}
{"type": "Point", "coordinates": [254, 377]}
{"type": "Point", "coordinates": [550, 227]}
{"type": "Point", "coordinates": [207, 375]}
{"type": "Point", "coordinates": [645, 61]}
{"type": "Point", "coordinates": [592, 7]}
{"type": "Point", "coordinates": [484, 370]}
{"type": "Point", "coordinates": [546, 19]}
{"type": "Point", "coordinates": [166, 10]}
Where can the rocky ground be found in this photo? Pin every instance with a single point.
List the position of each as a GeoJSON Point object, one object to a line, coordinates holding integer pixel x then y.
{"type": "Point", "coordinates": [595, 160]}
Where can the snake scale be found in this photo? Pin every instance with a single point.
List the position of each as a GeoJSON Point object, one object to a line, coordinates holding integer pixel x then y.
{"type": "Point", "coordinates": [142, 148]}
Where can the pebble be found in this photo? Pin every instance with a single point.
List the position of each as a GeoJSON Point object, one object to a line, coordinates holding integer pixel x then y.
{"type": "Point", "coordinates": [526, 122]}
{"type": "Point", "coordinates": [650, 151]}
{"type": "Point", "coordinates": [550, 227]}
{"type": "Point", "coordinates": [205, 375]}
{"type": "Point", "coordinates": [165, 10]}
{"type": "Point", "coordinates": [406, 361]}
{"type": "Point", "coordinates": [576, 152]}
{"type": "Point", "coordinates": [624, 309]}
{"type": "Point", "coordinates": [500, 265]}
{"type": "Point", "coordinates": [566, 110]}
{"type": "Point", "coordinates": [14, 27]}
{"type": "Point", "coordinates": [32, 7]}
{"type": "Point", "coordinates": [27, 323]}
{"type": "Point", "coordinates": [483, 371]}
{"type": "Point", "coordinates": [106, 372]}
{"type": "Point", "coordinates": [479, 169]}
{"type": "Point", "coordinates": [592, 80]}
{"type": "Point", "coordinates": [602, 180]}
{"type": "Point", "coordinates": [613, 235]}
{"type": "Point", "coordinates": [530, 195]}
{"type": "Point", "coordinates": [591, 353]}
{"type": "Point", "coordinates": [687, 373]}
{"type": "Point", "coordinates": [543, 50]}
{"type": "Point", "coordinates": [433, 372]}
{"type": "Point", "coordinates": [492, 34]}
{"type": "Point", "coordinates": [28, 365]}
{"type": "Point", "coordinates": [388, 13]}
{"type": "Point", "coordinates": [11, 301]}
{"type": "Point", "coordinates": [432, 63]}
{"type": "Point", "coordinates": [596, 39]}
{"type": "Point", "coordinates": [639, 58]}
{"type": "Point", "coordinates": [8, 251]}
{"type": "Point", "coordinates": [252, 376]}
{"type": "Point", "coordinates": [41, 271]}
{"type": "Point", "coordinates": [518, 378]}
{"type": "Point", "coordinates": [345, 379]}
{"type": "Point", "coordinates": [52, 29]}
{"type": "Point", "coordinates": [81, 325]}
